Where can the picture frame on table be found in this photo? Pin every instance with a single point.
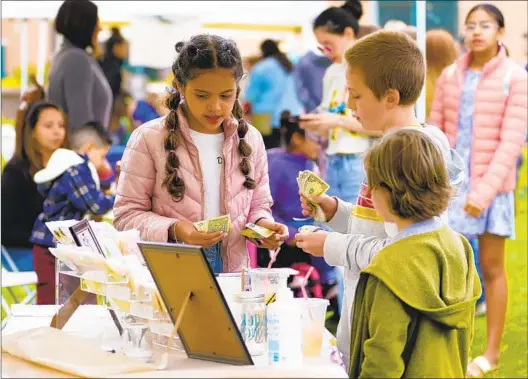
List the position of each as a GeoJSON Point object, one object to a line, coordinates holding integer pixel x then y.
{"type": "Point", "coordinates": [84, 235]}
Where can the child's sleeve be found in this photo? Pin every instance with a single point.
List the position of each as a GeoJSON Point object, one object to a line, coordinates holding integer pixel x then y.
{"type": "Point", "coordinates": [359, 249]}
{"type": "Point", "coordinates": [383, 350]}
{"type": "Point", "coordinates": [261, 201]}
{"type": "Point", "coordinates": [135, 190]}
{"type": "Point", "coordinates": [340, 222]}
{"type": "Point", "coordinates": [510, 144]}
{"type": "Point", "coordinates": [364, 237]}
{"type": "Point", "coordinates": [84, 194]}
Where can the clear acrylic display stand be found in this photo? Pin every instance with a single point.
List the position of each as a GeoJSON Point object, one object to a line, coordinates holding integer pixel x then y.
{"type": "Point", "coordinates": [142, 326]}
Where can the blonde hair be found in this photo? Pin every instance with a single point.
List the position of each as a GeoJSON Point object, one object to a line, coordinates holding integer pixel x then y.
{"type": "Point", "coordinates": [409, 165]}
{"type": "Point", "coordinates": [389, 60]}
{"type": "Point", "coordinates": [441, 51]}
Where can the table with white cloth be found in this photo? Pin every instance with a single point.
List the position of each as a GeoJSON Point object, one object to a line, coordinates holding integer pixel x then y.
{"type": "Point", "coordinates": [92, 322]}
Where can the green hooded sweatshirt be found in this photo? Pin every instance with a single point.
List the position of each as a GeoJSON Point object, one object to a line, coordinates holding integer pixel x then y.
{"type": "Point", "coordinates": [414, 309]}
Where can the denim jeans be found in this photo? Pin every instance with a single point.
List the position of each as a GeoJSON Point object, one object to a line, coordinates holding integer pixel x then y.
{"type": "Point", "coordinates": [214, 257]}
{"type": "Point", "coordinates": [344, 174]}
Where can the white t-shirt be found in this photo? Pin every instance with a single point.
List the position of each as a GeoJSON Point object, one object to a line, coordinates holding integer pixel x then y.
{"type": "Point", "coordinates": [340, 141]}
{"type": "Point", "coordinates": [212, 161]}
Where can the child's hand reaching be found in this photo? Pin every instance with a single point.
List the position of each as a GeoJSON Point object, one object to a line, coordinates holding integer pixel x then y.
{"type": "Point", "coordinates": [319, 123]}
{"type": "Point", "coordinates": [327, 203]}
{"type": "Point", "coordinates": [185, 231]}
{"type": "Point", "coordinates": [312, 243]}
{"type": "Point", "coordinates": [472, 209]}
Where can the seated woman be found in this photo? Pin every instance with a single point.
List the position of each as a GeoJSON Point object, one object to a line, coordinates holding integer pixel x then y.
{"type": "Point", "coordinates": [41, 130]}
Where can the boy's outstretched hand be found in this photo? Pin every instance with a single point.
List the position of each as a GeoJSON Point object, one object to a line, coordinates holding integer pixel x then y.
{"type": "Point", "coordinates": [327, 203]}
{"type": "Point", "coordinates": [312, 243]}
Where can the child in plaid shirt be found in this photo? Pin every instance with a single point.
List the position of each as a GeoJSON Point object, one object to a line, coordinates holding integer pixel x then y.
{"type": "Point", "coordinates": [71, 187]}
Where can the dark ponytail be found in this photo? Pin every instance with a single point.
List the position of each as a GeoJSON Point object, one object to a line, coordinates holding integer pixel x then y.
{"type": "Point", "coordinates": [270, 48]}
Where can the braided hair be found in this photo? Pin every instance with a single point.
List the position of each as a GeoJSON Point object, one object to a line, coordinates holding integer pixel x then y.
{"type": "Point", "coordinates": [202, 52]}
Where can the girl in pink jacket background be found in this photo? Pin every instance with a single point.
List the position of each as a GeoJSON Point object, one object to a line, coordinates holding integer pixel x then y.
{"type": "Point", "coordinates": [200, 161]}
{"type": "Point", "coordinates": [481, 105]}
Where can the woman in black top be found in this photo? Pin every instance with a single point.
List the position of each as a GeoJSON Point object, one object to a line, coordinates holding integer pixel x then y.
{"type": "Point", "coordinates": [40, 131]}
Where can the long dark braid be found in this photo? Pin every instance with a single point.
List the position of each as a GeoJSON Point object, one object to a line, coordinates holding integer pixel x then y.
{"type": "Point", "coordinates": [172, 181]}
{"type": "Point", "coordinates": [244, 148]}
{"type": "Point", "coordinates": [202, 52]}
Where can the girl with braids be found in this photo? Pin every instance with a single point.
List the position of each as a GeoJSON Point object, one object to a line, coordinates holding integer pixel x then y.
{"type": "Point", "coordinates": [200, 161]}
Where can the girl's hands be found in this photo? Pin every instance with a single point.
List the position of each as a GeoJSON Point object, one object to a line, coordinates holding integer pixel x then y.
{"type": "Point", "coordinates": [274, 241]}
{"type": "Point", "coordinates": [184, 231]}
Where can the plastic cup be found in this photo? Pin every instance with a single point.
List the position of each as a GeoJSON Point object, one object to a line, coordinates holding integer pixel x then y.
{"type": "Point", "coordinates": [269, 280]}
{"type": "Point", "coordinates": [313, 323]}
{"type": "Point", "coordinates": [230, 285]}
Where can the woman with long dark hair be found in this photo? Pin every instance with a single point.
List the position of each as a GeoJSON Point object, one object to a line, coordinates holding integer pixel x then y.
{"type": "Point", "coordinates": [41, 130]}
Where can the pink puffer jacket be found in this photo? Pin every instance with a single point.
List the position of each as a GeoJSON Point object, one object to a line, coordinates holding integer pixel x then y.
{"type": "Point", "coordinates": [144, 204]}
{"type": "Point", "coordinates": [499, 122]}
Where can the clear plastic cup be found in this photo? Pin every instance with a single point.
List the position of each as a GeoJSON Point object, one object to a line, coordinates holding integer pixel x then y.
{"type": "Point", "coordinates": [269, 280]}
{"type": "Point", "coordinates": [231, 284]}
{"type": "Point", "coordinates": [313, 322]}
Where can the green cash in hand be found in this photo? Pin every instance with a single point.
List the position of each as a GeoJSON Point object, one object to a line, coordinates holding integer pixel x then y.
{"type": "Point", "coordinates": [312, 185]}
{"type": "Point", "coordinates": [217, 224]}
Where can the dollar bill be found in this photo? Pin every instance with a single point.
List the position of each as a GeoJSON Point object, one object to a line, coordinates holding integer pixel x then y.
{"type": "Point", "coordinates": [250, 234]}
{"type": "Point", "coordinates": [314, 186]}
{"type": "Point", "coordinates": [212, 225]}
{"type": "Point", "coordinates": [311, 185]}
{"type": "Point", "coordinates": [307, 229]}
{"type": "Point", "coordinates": [260, 230]}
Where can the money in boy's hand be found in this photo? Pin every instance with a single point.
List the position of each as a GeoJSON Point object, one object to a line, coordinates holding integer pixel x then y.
{"type": "Point", "coordinates": [307, 229]}
{"type": "Point", "coordinates": [212, 225]}
{"type": "Point", "coordinates": [312, 185]}
{"type": "Point", "coordinates": [256, 232]}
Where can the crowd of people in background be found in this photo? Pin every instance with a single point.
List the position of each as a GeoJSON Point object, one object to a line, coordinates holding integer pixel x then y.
{"type": "Point", "coordinates": [475, 94]}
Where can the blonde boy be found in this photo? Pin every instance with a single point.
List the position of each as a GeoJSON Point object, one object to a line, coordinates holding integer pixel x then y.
{"type": "Point", "coordinates": [385, 75]}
